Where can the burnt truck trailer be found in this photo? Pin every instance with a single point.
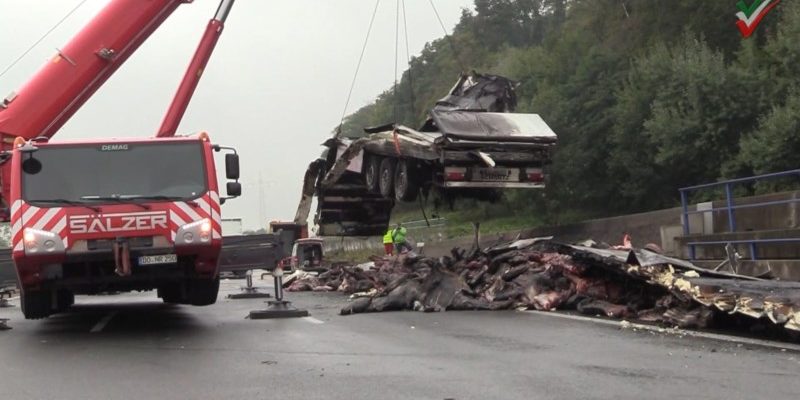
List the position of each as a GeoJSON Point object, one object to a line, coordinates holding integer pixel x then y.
{"type": "Point", "coordinates": [471, 145]}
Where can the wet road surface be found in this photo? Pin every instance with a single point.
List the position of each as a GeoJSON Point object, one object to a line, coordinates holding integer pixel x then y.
{"type": "Point", "coordinates": [131, 346]}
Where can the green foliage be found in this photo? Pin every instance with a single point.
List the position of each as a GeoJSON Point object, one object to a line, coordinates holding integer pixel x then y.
{"type": "Point", "coordinates": [646, 96]}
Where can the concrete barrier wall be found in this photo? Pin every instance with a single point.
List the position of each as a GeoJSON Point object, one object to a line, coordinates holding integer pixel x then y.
{"type": "Point", "coordinates": [350, 244]}
{"type": "Point", "coordinates": [662, 227]}
{"type": "Point", "coordinates": [772, 217]}
{"type": "Point", "coordinates": [415, 235]}
{"type": "Point", "coordinates": [643, 228]}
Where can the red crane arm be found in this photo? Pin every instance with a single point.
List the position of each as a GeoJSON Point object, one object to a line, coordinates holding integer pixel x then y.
{"type": "Point", "coordinates": [64, 83]}
{"type": "Point", "coordinates": [195, 70]}
{"type": "Point", "coordinates": [71, 77]}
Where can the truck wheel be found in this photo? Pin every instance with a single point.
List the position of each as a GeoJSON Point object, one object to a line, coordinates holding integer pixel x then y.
{"type": "Point", "coordinates": [65, 299]}
{"type": "Point", "coordinates": [36, 304]}
{"type": "Point", "coordinates": [203, 292]}
{"type": "Point", "coordinates": [171, 294]}
{"type": "Point", "coordinates": [406, 185]}
{"type": "Point", "coordinates": [372, 173]}
{"type": "Point", "coordinates": [387, 177]}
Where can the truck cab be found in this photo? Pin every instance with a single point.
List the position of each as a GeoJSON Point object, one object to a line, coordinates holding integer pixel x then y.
{"type": "Point", "coordinates": [136, 214]}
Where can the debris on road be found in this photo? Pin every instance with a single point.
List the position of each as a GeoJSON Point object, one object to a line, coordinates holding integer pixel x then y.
{"type": "Point", "coordinates": [5, 295]}
{"type": "Point", "coordinates": [634, 285]}
{"type": "Point", "coordinates": [4, 324]}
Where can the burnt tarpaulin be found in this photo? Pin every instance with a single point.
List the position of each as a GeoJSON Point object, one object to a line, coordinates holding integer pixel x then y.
{"type": "Point", "coordinates": [486, 126]}
{"type": "Point", "coordinates": [477, 92]}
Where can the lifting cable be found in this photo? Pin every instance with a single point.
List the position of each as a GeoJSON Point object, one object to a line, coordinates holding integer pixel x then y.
{"type": "Point", "coordinates": [358, 67]}
{"type": "Point", "coordinates": [396, 57]}
{"type": "Point", "coordinates": [448, 38]}
{"type": "Point", "coordinates": [408, 60]}
{"type": "Point", "coordinates": [42, 38]}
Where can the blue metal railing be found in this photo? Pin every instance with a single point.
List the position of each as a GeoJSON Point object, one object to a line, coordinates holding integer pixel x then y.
{"type": "Point", "coordinates": [730, 208]}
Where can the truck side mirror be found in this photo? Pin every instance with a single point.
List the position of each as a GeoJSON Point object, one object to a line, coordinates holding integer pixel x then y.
{"type": "Point", "coordinates": [234, 189]}
{"type": "Point", "coordinates": [232, 166]}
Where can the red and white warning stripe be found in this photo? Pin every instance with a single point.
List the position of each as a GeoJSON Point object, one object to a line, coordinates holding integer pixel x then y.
{"type": "Point", "coordinates": [46, 219]}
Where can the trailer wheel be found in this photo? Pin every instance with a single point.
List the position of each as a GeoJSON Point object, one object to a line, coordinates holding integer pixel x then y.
{"type": "Point", "coordinates": [203, 292]}
{"type": "Point", "coordinates": [387, 177]}
{"type": "Point", "coordinates": [36, 304]}
{"type": "Point", "coordinates": [372, 173]}
{"type": "Point", "coordinates": [406, 184]}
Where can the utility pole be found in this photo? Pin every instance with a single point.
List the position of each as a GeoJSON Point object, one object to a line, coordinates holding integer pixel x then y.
{"type": "Point", "coordinates": [261, 209]}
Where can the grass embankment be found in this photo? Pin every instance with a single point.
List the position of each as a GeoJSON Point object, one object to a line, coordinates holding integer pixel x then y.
{"type": "Point", "coordinates": [493, 217]}
{"type": "Point", "coordinates": [499, 217]}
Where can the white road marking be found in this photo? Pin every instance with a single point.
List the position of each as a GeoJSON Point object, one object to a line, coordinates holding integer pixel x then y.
{"type": "Point", "coordinates": [313, 320]}
{"type": "Point", "coordinates": [103, 322]}
{"type": "Point", "coordinates": [703, 335]}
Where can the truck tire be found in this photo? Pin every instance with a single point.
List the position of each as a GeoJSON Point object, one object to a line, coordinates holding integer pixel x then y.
{"type": "Point", "coordinates": [386, 182]}
{"type": "Point", "coordinates": [171, 294]}
{"type": "Point", "coordinates": [36, 304]}
{"type": "Point", "coordinates": [406, 184]}
{"type": "Point", "coordinates": [203, 292]}
{"type": "Point", "coordinates": [372, 170]}
{"type": "Point", "coordinates": [65, 299]}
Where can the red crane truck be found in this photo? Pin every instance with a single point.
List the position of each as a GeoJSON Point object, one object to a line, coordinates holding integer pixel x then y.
{"type": "Point", "coordinates": [115, 214]}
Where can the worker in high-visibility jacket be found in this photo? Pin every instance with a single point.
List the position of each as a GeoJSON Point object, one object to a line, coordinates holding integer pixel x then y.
{"type": "Point", "coordinates": [399, 238]}
{"type": "Point", "coordinates": [388, 243]}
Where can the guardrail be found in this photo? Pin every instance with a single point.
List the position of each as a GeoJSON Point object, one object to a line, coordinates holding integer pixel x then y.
{"type": "Point", "coordinates": [434, 222]}
{"type": "Point", "coordinates": [730, 209]}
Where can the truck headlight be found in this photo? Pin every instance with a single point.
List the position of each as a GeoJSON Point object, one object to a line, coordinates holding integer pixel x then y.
{"type": "Point", "coordinates": [42, 242]}
{"type": "Point", "coordinates": [198, 232]}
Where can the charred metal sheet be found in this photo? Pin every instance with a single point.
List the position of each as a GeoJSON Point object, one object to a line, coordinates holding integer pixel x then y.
{"type": "Point", "coordinates": [309, 185]}
{"type": "Point", "coordinates": [484, 126]}
{"type": "Point", "coordinates": [777, 301]}
{"type": "Point", "coordinates": [646, 258]}
{"type": "Point", "coordinates": [342, 161]}
{"type": "Point", "coordinates": [404, 142]}
{"type": "Point", "coordinates": [477, 92]}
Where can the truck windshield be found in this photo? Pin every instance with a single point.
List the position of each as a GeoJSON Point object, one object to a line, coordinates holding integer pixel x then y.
{"type": "Point", "coordinates": [113, 173]}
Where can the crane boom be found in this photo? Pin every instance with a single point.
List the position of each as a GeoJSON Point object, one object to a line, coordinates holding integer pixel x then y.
{"type": "Point", "coordinates": [195, 70]}
{"type": "Point", "coordinates": [78, 69]}
{"type": "Point", "coordinates": [48, 100]}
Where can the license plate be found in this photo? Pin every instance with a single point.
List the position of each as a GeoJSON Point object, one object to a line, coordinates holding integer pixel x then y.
{"type": "Point", "coordinates": [160, 259]}
{"type": "Point", "coordinates": [495, 175]}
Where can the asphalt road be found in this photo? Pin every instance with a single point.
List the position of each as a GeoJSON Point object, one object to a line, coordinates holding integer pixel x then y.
{"type": "Point", "coordinates": [133, 347]}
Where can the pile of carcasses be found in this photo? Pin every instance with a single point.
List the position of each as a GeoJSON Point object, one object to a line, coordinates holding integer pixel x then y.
{"type": "Point", "coordinates": [526, 274]}
{"type": "Point", "coordinates": [633, 284]}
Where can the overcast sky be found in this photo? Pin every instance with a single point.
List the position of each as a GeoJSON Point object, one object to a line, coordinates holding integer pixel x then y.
{"type": "Point", "coordinates": [274, 88]}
